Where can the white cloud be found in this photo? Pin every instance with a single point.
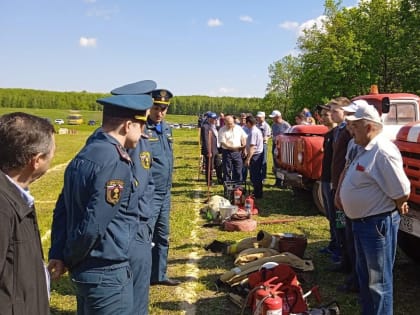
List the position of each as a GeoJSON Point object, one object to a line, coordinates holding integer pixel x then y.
{"type": "Point", "coordinates": [214, 22]}
{"type": "Point", "coordinates": [87, 41]}
{"type": "Point", "coordinates": [246, 18]}
{"type": "Point", "coordinates": [299, 28]}
{"type": "Point", "coordinates": [289, 25]}
{"type": "Point", "coordinates": [318, 22]}
{"type": "Point", "coordinates": [90, 1]}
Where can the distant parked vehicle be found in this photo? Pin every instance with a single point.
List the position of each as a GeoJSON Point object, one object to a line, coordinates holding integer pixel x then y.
{"type": "Point", "coordinates": [176, 126]}
{"type": "Point", "coordinates": [75, 118]}
{"type": "Point", "coordinates": [59, 121]}
{"type": "Point", "coordinates": [92, 122]}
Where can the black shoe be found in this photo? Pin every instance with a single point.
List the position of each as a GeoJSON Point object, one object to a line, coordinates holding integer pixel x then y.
{"type": "Point", "coordinates": [168, 282]}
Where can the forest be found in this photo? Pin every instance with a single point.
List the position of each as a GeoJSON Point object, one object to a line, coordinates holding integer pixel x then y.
{"type": "Point", "coordinates": [376, 42]}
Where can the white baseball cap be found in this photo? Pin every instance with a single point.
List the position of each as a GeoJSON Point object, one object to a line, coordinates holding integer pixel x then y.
{"type": "Point", "coordinates": [352, 107]}
{"type": "Point", "coordinates": [260, 114]}
{"type": "Point", "coordinates": [365, 111]}
{"type": "Point", "coordinates": [275, 113]}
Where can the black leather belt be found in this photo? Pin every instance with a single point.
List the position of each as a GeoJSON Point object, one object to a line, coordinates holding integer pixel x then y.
{"type": "Point", "coordinates": [383, 214]}
{"type": "Point", "coordinates": [233, 150]}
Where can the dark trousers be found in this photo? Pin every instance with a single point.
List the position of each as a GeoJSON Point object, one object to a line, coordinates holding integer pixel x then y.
{"type": "Point", "coordinates": [255, 171]}
{"type": "Point", "coordinates": [215, 162]}
{"type": "Point", "coordinates": [141, 265]}
{"type": "Point", "coordinates": [209, 166]}
{"type": "Point", "coordinates": [350, 255]}
{"type": "Point", "coordinates": [329, 209]}
{"type": "Point", "coordinates": [340, 233]}
{"type": "Point", "coordinates": [159, 223]}
{"type": "Point", "coordinates": [264, 162]}
{"type": "Point", "coordinates": [232, 165]}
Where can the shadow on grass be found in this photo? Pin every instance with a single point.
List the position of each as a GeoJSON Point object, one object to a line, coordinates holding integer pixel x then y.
{"type": "Point", "coordinates": [286, 202]}
{"type": "Point", "coordinates": [187, 142]}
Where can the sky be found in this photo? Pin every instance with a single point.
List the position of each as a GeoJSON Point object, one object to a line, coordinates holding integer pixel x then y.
{"type": "Point", "coordinates": [191, 47]}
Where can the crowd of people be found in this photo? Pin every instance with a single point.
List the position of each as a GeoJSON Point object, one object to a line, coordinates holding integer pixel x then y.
{"type": "Point", "coordinates": [235, 146]}
{"type": "Point", "coordinates": [364, 186]}
{"type": "Point", "coordinates": [110, 227]}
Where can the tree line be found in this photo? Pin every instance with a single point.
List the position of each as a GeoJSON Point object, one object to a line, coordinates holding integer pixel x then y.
{"type": "Point", "coordinates": [376, 42]}
{"type": "Point", "coordinates": [180, 105]}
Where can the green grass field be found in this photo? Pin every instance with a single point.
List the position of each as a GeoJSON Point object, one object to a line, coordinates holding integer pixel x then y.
{"type": "Point", "coordinates": [188, 260]}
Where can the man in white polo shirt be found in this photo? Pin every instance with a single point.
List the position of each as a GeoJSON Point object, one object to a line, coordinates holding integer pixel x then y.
{"type": "Point", "coordinates": [373, 193]}
{"type": "Point", "coordinates": [232, 139]}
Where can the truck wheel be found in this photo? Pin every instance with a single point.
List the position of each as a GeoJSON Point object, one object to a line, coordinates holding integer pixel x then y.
{"type": "Point", "coordinates": [410, 245]}
{"type": "Point", "coordinates": [317, 197]}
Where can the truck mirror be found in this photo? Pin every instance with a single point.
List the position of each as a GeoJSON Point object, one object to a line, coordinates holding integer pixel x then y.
{"type": "Point", "coordinates": [386, 104]}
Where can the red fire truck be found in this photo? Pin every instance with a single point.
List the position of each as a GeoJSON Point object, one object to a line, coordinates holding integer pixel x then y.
{"type": "Point", "coordinates": [408, 141]}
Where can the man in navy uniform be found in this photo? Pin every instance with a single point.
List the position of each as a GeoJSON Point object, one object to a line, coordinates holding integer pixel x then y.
{"type": "Point", "coordinates": [141, 246]}
{"type": "Point", "coordinates": [160, 140]}
{"type": "Point", "coordinates": [96, 216]}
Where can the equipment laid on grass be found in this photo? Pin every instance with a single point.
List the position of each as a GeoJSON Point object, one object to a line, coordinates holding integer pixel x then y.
{"type": "Point", "coordinates": [239, 224]}
{"type": "Point", "coordinates": [236, 275]}
{"type": "Point", "coordinates": [251, 254]}
{"type": "Point", "coordinates": [284, 242]}
{"type": "Point", "coordinates": [236, 192]}
{"type": "Point", "coordinates": [275, 289]}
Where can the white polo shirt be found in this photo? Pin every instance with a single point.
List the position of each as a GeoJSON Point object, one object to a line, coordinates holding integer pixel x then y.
{"type": "Point", "coordinates": [374, 179]}
{"type": "Point", "coordinates": [232, 137]}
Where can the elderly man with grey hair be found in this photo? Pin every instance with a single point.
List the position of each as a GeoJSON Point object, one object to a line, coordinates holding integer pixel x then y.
{"type": "Point", "coordinates": [373, 193]}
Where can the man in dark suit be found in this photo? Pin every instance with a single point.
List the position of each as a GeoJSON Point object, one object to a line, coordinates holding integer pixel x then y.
{"type": "Point", "coordinates": [209, 145]}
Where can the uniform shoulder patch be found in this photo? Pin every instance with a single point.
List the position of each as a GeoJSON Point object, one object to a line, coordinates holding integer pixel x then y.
{"type": "Point", "coordinates": [114, 188]}
{"type": "Point", "coordinates": [145, 159]}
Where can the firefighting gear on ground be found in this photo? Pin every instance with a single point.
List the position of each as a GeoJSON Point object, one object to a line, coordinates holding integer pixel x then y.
{"type": "Point", "coordinates": [265, 277]}
{"type": "Point", "coordinates": [262, 262]}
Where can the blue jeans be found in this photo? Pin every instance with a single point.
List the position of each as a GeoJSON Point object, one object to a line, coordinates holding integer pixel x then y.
{"type": "Point", "coordinates": [104, 290]}
{"type": "Point", "coordinates": [375, 244]}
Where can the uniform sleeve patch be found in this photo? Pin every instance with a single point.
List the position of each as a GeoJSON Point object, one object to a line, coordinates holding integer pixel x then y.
{"type": "Point", "coordinates": [114, 188]}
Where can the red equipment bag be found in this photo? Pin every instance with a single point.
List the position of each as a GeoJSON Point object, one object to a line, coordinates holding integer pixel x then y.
{"type": "Point", "coordinates": [240, 225]}
{"type": "Point", "coordinates": [293, 301]}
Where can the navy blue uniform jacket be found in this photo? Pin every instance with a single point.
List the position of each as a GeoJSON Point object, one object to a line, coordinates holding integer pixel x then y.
{"type": "Point", "coordinates": [161, 145]}
{"type": "Point", "coordinates": [96, 215]}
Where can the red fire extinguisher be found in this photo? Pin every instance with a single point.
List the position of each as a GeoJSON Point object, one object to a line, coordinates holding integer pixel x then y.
{"type": "Point", "coordinates": [273, 305]}
{"type": "Point", "coordinates": [262, 293]}
{"type": "Point", "coordinates": [237, 194]}
{"type": "Point", "coordinates": [268, 301]}
{"type": "Point", "coordinates": [249, 205]}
